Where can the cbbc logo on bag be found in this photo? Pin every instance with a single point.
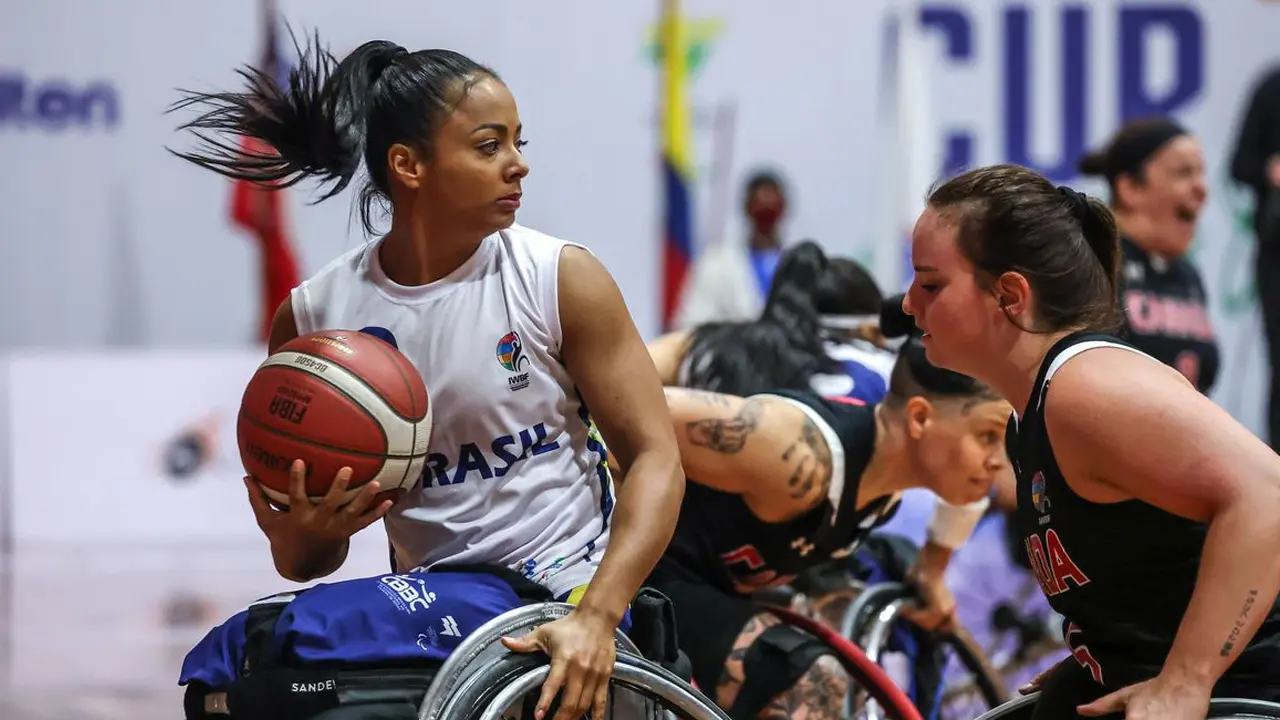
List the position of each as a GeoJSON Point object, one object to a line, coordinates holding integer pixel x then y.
{"type": "Point", "coordinates": [409, 593]}
{"type": "Point", "coordinates": [55, 104]}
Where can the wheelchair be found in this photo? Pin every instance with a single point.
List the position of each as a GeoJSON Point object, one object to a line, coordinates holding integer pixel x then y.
{"type": "Point", "coordinates": [862, 640]}
{"type": "Point", "coordinates": [482, 680]}
{"type": "Point", "coordinates": [964, 690]}
{"type": "Point", "coordinates": [1219, 709]}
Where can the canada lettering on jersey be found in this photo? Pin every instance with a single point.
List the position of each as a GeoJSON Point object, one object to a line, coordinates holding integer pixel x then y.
{"type": "Point", "coordinates": [1151, 314]}
{"type": "Point", "coordinates": [472, 463]}
{"type": "Point", "coordinates": [1052, 564]}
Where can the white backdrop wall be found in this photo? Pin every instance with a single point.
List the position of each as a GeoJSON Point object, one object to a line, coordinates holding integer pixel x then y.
{"type": "Point", "coordinates": [106, 239]}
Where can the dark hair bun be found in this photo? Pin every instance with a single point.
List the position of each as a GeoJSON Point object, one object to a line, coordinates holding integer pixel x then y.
{"type": "Point", "coordinates": [1095, 164]}
{"type": "Point", "coordinates": [894, 321]}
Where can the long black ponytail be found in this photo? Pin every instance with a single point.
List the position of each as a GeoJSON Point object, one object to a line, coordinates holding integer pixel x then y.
{"type": "Point", "coordinates": [786, 346]}
{"type": "Point", "coordinates": [330, 117]}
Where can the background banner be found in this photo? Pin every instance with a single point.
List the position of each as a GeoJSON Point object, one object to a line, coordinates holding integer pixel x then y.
{"type": "Point", "coordinates": [158, 261]}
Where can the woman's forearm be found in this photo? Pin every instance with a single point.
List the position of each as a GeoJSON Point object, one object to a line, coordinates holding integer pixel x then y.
{"type": "Point", "coordinates": [301, 561]}
{"type": "Point", "coordinates": [1235, 589]}
{"type": "Point", "coordinates": [643, 522]}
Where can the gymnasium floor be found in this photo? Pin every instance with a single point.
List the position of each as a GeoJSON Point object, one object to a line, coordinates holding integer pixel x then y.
{"type": "Point", "coordinates": [99, 633]}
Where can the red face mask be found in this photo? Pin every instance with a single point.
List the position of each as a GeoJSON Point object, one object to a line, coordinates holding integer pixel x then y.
{"type": "Point", "coordinates": [766, 218]}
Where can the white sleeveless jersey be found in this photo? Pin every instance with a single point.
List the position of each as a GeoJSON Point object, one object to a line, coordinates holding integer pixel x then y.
{"type": "Point", "coordinates": [516, 472]}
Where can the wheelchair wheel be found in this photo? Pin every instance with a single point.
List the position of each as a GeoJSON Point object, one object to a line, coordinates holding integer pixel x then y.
{"type": "Point", "coordinates": [1219, 709]}
{"type": "Point", "coordinates": [485, 644]}
{"type": "Point", "coordinates": [872, 599]}
{"type": "Point", "coordinates": [1240, 708]}
{"type": "Point", "coordinates": [641, 690]}
{"type": "Point", "coordinates": [983, 689]}
{"type": "Point", "coordinates": [978, 688]}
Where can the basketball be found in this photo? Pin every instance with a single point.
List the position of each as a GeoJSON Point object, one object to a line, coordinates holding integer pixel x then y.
{"type": "Point", "coordinates": [335, 399]}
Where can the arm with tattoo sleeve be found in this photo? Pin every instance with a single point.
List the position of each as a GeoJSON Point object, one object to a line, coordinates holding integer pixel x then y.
{"type": "Point", "coordinates": [763, 448]}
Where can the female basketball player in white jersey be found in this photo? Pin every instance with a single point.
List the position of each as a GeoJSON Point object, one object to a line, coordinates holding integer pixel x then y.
{"type": "Point", "coordinates": [516, 334]}
{"type": "Point", "coordinates": [1149, 514]}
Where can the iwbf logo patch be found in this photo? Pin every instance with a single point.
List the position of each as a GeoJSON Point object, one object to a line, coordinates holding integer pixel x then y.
{"type": "Point", "coordinates": [1039, 498]}
{"type": "Point", "coordinates": [511, 357]}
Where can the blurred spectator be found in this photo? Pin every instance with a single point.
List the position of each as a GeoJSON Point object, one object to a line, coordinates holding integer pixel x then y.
{"type": "Point", "coordinates": [730, 280]}
{"type": "Point", "coordinates": [1256, 163]}
{"type": "Point", "coordinates": [1155, 169]}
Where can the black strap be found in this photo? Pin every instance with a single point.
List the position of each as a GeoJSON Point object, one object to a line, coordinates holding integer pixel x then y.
{"type": "Point", "coordinates": [261, 651]}
{"type": "Point", "coordinates": [774, 662]}
{"type": "Point", "coordinates": [653, 626]}
{"type": "Point", "coordinates": [267, 688]}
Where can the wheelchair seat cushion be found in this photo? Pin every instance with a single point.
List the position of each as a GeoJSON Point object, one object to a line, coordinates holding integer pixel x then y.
{"type": "Point", "coordinates": [401, 620]}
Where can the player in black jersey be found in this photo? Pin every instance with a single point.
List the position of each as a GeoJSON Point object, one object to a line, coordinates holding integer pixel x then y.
{"type": "Point", "coordinates": [780, 483]}
{"type": "Point", "coordinates": [1155, 170]}
{"type": "Point", "coordinates": [1151, 518]}
{"type": "Point", "coordinates": [823, 328]}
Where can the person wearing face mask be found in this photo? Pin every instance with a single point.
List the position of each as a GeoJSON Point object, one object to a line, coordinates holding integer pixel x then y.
{"type": "Point", "coordinates": [730, 281]}
{"type": "Point", "coordinates": [1155, 170]}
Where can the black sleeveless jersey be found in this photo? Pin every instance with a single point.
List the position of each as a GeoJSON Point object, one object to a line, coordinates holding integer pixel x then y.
{"type": "Point", "coordinates": [720, 541]}
{"type": "Point", "coordinates": [1121, 574]}
{"type": "Point", "coordinates": [1166, 314]}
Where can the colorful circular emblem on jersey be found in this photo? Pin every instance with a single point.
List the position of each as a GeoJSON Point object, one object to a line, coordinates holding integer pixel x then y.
{"type": "Point", "coordinates": [1038, 496]}
{"type": "Point", "coordinates": [511, 352]}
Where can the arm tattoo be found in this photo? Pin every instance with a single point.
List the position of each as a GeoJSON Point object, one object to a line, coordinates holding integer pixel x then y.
{"type": "Point", "coordinates": [1234, 636]}
{"type": "Point", "coordinates": [813, 466]}
{"type": "Point", "coordinates": [727, 436]}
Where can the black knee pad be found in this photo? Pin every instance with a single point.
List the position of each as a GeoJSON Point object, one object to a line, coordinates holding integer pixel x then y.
{"type": "Point", "coordinates": [779, 657]}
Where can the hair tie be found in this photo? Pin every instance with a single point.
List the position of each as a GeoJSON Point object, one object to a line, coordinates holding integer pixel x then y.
{"type": "Point", "coordinates": [386, 59]}
{"type": "Point", "coordinates": [848, 322]}
{"type": "Point", "coordinates": [1079, 203]}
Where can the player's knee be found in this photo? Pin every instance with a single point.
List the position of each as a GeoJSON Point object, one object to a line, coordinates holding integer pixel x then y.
{"type": "Point", "coordinates": [819, 693]}
{"type": "Point", "coordinates": [786, 670]}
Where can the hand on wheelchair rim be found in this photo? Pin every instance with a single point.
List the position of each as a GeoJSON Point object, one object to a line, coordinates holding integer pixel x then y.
{"type": "Point", "coordinates": [582, 653]}
{"type": "Point", "coordinates": [935, 607]}
{"type": "Point", "coordinates": [1039, 679]}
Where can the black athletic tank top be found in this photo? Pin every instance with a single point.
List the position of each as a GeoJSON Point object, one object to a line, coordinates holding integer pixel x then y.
{"type": "Point", "coordinates": [1121, 574]}
{"type": "Point", "coordinates": [720, 541]}
{"type": "Point", "coordinates": [1166, 314]}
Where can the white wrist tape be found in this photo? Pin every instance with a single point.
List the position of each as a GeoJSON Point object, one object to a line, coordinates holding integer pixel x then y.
{"type": "Point", "coordinates": [952, 525]}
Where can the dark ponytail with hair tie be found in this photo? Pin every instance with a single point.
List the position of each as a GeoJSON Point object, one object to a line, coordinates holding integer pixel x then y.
{"type": "Point", "coordinates": [330, 116]}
